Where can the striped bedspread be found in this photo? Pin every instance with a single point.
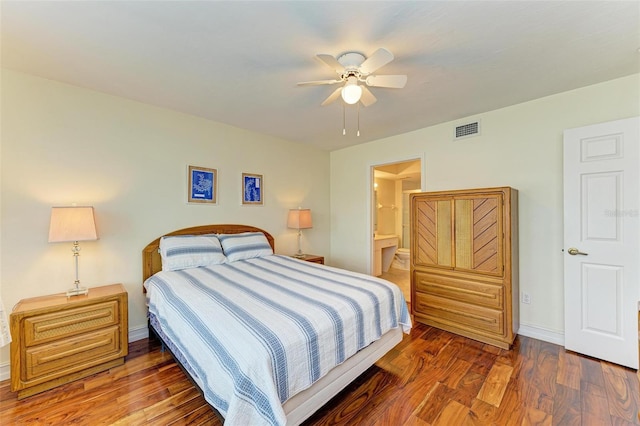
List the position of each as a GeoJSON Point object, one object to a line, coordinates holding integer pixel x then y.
{"type": "Point", "coordinates": [255, 332]}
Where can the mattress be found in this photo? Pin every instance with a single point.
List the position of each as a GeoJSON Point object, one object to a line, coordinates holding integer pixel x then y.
{"type": "Point", "coordinates": [253, 333]}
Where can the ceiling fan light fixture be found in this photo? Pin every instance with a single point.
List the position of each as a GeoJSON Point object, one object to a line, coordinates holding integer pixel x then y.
{"type": "Point", "coordinates": [351, 92]}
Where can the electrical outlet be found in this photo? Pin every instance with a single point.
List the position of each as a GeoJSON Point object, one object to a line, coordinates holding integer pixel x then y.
{"type": "Point", "coordinates": [526, 298]}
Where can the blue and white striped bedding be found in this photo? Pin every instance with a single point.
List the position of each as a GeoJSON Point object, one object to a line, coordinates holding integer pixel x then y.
{"type": "Point", "coordinates": [255, 332]}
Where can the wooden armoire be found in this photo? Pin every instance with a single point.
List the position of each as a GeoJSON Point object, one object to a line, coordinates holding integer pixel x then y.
{"type": "Point", "coordinates": [464, 262]}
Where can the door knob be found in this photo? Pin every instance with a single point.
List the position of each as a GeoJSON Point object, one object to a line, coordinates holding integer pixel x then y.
{"type": "Point", "coordinates": [573, 251]}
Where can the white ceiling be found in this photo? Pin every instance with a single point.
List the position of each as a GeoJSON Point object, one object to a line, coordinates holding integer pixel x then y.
{"type": "Point", "coordinates": [238, 62]}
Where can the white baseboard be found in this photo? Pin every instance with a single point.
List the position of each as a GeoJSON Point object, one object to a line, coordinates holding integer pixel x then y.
{"type": "Point", "coordinates": [137, 333]}
{"type": "Point", "coordinates": [541, 333]}
{"type": "Point", "coordinates": [5, 371]}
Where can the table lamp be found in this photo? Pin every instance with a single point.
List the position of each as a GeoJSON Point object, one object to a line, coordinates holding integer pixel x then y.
{"type": "Point", "coordinates": [299, 219]}
{"type": "Point", "coordinates": [73, 224]}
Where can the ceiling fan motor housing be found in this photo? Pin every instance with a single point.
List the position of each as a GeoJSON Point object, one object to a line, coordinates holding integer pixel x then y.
{"type": "Point", "coordinates": [351, 62]}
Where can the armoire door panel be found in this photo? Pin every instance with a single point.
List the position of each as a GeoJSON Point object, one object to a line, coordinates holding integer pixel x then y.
{"type": "Point", "coordinates": [444, 247]}
{"type": "Point", "coordinates": [485, 213]}
{"type": "Point", "coordinates": [432, 233]}
{"type": "Point", "coordinates": [425, 233]}
{"type": "Point", "coordinates": [464, 234]}
{"type": "Point", "coordinates": [487, 235]}
{"type": "Point", "coordinates": [478, 234]}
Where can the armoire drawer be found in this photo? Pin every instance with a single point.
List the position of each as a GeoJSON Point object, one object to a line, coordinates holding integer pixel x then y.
{"type": "Point", "coordinates": [476, 293]}
{"type": "Point", "coordinates": [458, 314]}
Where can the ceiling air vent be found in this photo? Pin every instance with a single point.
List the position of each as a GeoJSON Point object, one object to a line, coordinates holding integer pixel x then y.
{"type": "Point", "coordinates": [466, 130]}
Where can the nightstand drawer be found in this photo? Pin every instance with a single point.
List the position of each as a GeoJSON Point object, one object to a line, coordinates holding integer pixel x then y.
{"type": "Point", "coordinates": [73, 354]}
{"type": "Point", "coordinates": [71, 322]}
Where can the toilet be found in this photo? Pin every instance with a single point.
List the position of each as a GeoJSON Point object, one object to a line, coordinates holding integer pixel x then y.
{"type": "Point", "coordinates": [401, 260]}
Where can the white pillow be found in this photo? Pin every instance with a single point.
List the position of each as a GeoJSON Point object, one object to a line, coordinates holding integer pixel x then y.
{"type": "Point", "coordinates": [245, 245]}
{"type": "Point", "coordinates": [190, 251]}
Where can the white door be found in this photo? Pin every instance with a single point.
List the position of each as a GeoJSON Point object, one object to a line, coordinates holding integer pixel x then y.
{"type": "Point", "coordinates": [601, 237]}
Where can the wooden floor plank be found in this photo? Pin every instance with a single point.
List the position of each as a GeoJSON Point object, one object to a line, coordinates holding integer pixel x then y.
{"type": "Point", "coordinates": [568, 370]}
{"type": "Point", "coordinates": [431, 378]}
{"type": "Point", "coordinates": [536, 417]}
{"type": "Point", "coordinates": [512, 407]}
{"type": "Point", "coordinates": [595, 404]}
{"type": "Point", "coordinates": [481, 413]}
{"type": "Point", "coordinates": [453, 413]}
{"type": "Point", "coordinates": [437, 398]}
{"type": "Point", "coordinates": [567, 406]}
{"type": "Point", "coordinates": [467, 390]}
{"type": "Point", "coordinates": [622, 402]}
{"type": "Point", "coordinates": [495, 385]}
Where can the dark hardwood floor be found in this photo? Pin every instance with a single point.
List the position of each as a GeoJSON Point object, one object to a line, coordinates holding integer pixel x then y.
{"type": "Point", "coordinates": [431, 378]}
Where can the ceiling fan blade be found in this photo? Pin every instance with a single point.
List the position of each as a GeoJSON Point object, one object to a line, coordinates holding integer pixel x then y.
{"type": "Point", "coordinates": [367, 97]}
{"type": "Point", "coordinates": [332, 97]}
{"type": "Point", "coordinates": [380, 58]}
{"type": "Point", "coordinates": [391, 81]}
{"type": "Point", "coordinates": [331, 62]}
{"type": "Point", "coordinates": [318, 82]}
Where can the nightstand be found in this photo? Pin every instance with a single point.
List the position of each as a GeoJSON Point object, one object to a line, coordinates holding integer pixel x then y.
{"type": "Point", "coordinates": [312, 258]}
{"type": "Point", "coordinates": [57, 339]}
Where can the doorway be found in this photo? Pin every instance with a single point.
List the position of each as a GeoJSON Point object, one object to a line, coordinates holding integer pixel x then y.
{"type": "Point", "coordinates": [392, 183]}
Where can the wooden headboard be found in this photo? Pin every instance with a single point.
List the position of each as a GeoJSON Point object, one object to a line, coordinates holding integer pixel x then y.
{"type": "Point", "coordinates": [152, 263]}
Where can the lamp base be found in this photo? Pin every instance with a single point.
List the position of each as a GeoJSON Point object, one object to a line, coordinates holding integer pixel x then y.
{"type": "Point", "coordinates": [299, 255]}
{"type": "Point", "coordinates": [77, 291]}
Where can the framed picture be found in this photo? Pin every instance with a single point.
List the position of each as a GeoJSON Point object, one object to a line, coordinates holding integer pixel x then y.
{"type": "Point", "coordinates": [252, 189]}
{"type": "Point", "coordinates": [203, 185]}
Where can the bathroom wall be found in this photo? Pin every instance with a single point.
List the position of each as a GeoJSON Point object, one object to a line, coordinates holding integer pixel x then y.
{"type": "Point", "coordinates": [386, 193]}
{"type": "Point", "coordinates": [399, 176]}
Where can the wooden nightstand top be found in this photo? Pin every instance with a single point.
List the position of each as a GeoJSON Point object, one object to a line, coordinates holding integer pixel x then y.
{"type": "Point", "coordinates": [42, 302]}
{"type": "Point", "coordinates": [312, 258]}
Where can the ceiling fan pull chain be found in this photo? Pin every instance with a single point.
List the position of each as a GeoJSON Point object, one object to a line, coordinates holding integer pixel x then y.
{"type": "Point", "coordinates": [344, 120]}
{"type": "Point", "coordinates": [358, 134]}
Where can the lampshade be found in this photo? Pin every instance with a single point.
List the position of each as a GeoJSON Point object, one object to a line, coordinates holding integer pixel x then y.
{"type": "Point", "coordinates": [351, 92]}
{"type": "Point", "coordinates": [299, 219]}
{"type": "Point", "coordinates": [72, 224]}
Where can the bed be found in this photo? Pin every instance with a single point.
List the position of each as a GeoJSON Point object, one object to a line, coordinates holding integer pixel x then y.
{"type": "Point", "coordinates": [268, 338]}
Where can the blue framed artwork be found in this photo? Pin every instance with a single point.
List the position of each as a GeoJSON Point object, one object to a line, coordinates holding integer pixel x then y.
{"type": "Point", "coordinates": [203, 185]}
{"type": "Point", "coordinates": [252, 189]}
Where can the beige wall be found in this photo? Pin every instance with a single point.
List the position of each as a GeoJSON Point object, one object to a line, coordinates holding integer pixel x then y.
{"type": "Point", "coordinates": [519, 146]}
{"type": "Point", "coordinates": [62, 144]}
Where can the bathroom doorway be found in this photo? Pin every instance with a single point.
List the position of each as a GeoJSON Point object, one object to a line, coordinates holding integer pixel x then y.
{"type": "Point", "coordinates": [392, 184]}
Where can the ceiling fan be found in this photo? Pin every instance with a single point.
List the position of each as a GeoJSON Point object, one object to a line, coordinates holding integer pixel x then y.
{"type": "Point", "coordinates": [354, 68]}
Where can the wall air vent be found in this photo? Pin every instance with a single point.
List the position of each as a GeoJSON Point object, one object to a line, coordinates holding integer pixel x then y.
{"type": "Point", "coordinates": [467, 130]}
